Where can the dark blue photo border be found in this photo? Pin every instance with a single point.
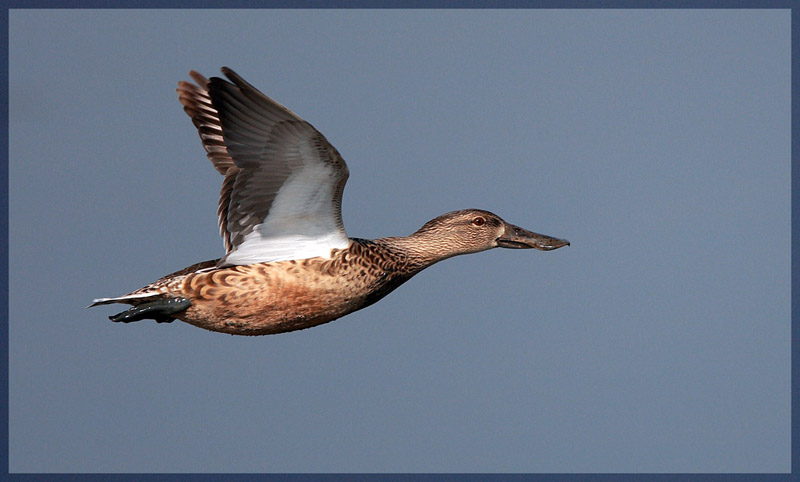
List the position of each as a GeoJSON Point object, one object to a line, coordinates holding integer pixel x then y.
{"type": "Point", "coordinates": [646, 4]}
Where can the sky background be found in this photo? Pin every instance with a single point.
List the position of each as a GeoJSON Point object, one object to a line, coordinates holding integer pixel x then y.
{"type": "Point", "coordinates": [657, 142]}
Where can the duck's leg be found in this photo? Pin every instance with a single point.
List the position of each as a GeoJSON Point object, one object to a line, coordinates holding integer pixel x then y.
{"type": "Point", "coordinates": [159, 310]}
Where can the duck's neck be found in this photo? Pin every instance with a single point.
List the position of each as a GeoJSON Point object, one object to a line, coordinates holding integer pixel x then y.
{"type": "Point", "coordinates": [417, 251]}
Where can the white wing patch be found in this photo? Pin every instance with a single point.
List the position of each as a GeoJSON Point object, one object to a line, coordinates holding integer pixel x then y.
{"type": "Point", "coordinates": [301, 222]}
{"type": "Point", "coordinates": [282, 248]}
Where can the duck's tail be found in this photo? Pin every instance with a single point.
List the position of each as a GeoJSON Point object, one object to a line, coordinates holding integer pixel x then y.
{"type": "Point", "coordinates": [130, 299]}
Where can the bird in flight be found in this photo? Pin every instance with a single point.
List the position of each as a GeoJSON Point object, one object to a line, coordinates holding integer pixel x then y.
{"type": "Point", "coordinates": [288, 263]}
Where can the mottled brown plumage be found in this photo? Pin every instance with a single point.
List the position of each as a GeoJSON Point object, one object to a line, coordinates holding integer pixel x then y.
{"type": "Point", "coordinates": [289, 264]}
{"type": "Point", "coordinates": [276, 297]}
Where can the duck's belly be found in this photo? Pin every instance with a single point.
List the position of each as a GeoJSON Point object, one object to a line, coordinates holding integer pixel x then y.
{"type": "Point", "coordinates": [261, 300]}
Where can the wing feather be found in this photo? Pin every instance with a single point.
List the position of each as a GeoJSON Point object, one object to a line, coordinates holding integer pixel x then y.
{"type": "Point", "coordinates": [282, 192]}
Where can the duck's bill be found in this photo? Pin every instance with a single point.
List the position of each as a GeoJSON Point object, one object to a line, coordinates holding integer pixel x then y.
{"type": "Point", "coordinates": [515, 237]}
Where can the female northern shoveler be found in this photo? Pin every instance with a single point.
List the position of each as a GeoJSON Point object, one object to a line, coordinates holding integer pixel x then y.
{"type": "Point", "coordinates": [289, 264]}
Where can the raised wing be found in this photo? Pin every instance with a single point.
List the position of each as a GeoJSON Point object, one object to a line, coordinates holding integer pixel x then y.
{"type": "Point", "coordinates": [282, 193]}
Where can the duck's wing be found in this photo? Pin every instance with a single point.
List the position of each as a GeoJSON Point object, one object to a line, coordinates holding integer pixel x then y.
{"type": "Point", "coordinates": [197, 103]}
{"type": "Point", "coordinates": [282, 193]}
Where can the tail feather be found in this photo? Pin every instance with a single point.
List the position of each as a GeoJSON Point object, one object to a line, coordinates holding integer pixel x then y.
{"type": "Point", "coordinates": [102, 301]}
{"type": "Point", "coordinates": [130, 299]}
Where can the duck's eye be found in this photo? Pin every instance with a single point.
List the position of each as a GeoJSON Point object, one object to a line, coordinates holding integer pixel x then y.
{"type": "Point", "coordinates": [479, 221]}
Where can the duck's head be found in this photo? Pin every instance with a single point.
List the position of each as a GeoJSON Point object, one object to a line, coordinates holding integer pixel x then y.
{"type": "Point", "coordinates": [473, 230]}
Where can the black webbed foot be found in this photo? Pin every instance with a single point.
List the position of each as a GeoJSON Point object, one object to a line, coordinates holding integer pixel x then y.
{"type": "Point", "coordinates": [159, 310]}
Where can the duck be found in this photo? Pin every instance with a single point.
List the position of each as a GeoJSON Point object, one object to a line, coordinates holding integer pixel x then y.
{"type": "Point", "coordinates": [288, 262]}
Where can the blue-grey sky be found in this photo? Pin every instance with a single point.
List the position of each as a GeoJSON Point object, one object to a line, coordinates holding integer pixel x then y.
{"type": "Point", "coordinates": [657, 142]}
